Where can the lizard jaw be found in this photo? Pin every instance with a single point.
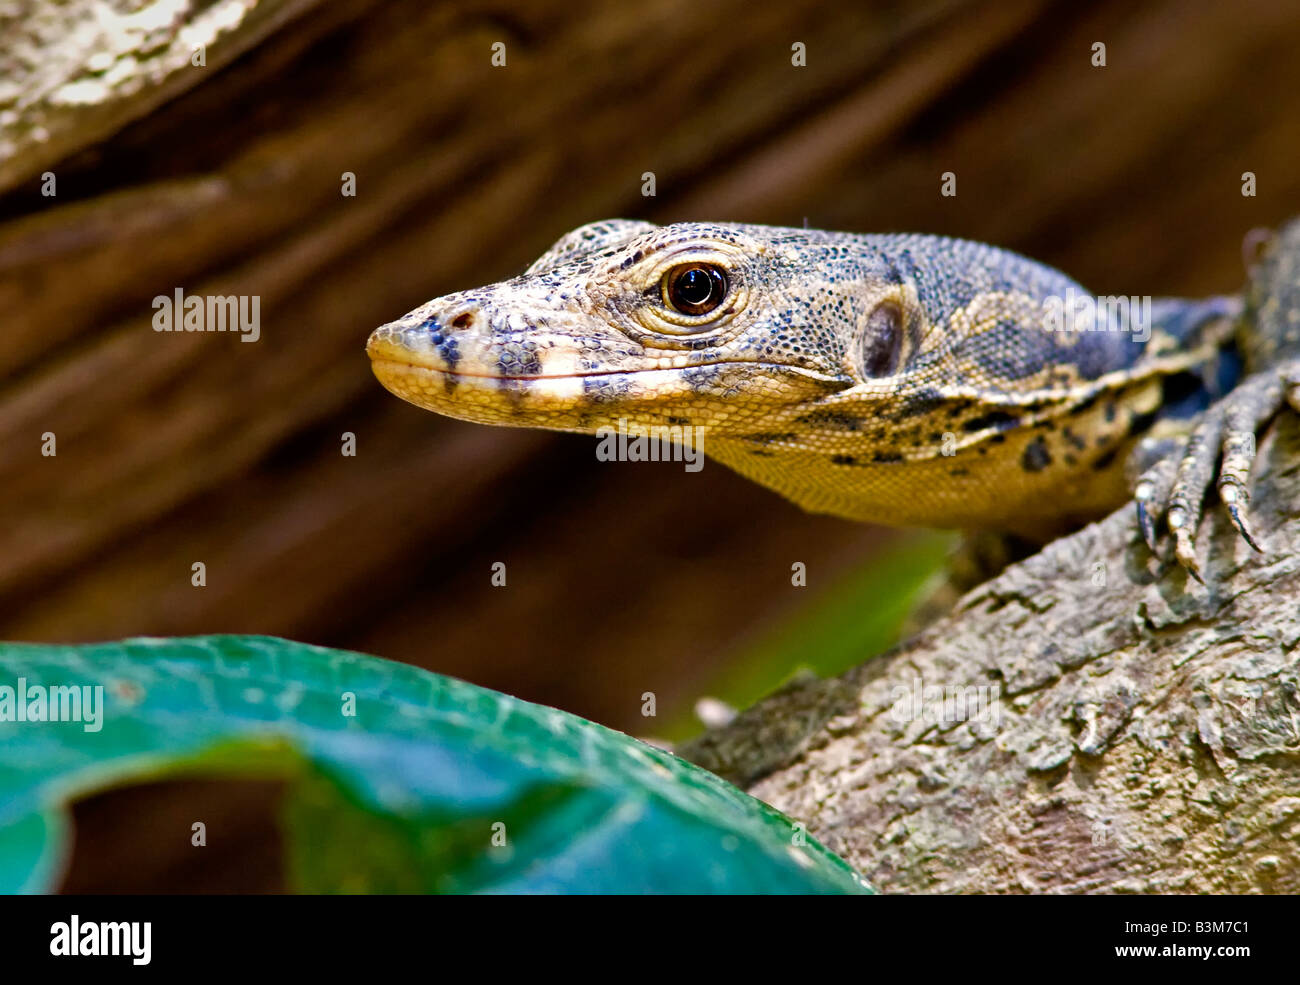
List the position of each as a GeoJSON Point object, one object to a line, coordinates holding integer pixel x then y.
{"type": "Point", "coordinates": [580, 401]}
{"type": "Point", "coordinates": [548, 378]}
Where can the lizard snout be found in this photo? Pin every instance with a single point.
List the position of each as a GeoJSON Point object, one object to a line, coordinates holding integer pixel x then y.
{"type": "Point", "coordinates": [463, 356]}
{"type": "Point", "coordinates": [442, 338]}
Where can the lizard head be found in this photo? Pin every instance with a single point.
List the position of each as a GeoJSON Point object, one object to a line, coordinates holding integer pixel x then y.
{"type": "Point", "coordinates": [712, 325]}
{"type": "Point", "coordinates": [826, 366]}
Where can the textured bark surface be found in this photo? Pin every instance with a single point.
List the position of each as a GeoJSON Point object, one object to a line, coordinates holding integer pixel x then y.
{"type": "Point", "coordinates": [74, 71]}
{"type": "Point", "coordinates": [1143, 736]}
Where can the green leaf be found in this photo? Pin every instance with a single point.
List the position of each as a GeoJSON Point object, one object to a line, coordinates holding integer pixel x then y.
{"type": "Point", "coordinates": [433, 785]}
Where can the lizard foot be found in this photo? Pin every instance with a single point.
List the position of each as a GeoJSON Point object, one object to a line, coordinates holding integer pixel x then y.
{"type": "Point", "coordinates": [1173, 488]}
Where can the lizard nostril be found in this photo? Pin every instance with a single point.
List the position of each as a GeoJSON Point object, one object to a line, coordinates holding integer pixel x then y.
{"type": "Point", "coordinates": [463, 321]}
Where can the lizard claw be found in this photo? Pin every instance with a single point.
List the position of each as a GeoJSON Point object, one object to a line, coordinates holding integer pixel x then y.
{"type": "Point", "coordinates": [1239, 521]}
{"type": "Point", "coordinates": [1146, 522]}
{"type": "Point", "coordinates": [1234, 499]}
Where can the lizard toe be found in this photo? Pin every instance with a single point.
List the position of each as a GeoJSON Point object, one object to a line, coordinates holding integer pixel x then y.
{"type": "Point", "coordinates": [1245, 412]}
{"type": "Point", "coordinates": [1195, 472]}
{"type": "Point", "coordinates": [1146, 522]}
{"type": "Point", "coordinates": [1150, 496]}
{"type": "Point", "coordinates": [1185, 545]}
{"type": "Point", "coordinates": [1150, 469]}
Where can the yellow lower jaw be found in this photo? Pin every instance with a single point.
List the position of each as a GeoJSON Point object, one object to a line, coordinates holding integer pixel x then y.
{"type": "Point", "coordinates": [560, 403]}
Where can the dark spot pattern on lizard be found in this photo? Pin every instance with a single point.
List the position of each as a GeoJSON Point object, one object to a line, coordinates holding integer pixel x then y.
{"type": "Point", "coordinates": [1105, 460]}
{"type": "Point", "coordinates": [1036, 456]}
{"type": "Point", "coordinates": [999, 419]}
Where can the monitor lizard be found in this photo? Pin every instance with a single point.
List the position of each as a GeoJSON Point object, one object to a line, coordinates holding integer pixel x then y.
{"type": "Point", "coordinates": [907, 380]}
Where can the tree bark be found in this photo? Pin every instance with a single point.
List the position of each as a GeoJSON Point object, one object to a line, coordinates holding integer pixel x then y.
{"type": "Point", "coordinates": [75, 71]}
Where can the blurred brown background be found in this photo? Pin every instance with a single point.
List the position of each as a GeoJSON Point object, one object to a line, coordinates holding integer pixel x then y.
{"type": "Point", "coordinates": [176, 448]}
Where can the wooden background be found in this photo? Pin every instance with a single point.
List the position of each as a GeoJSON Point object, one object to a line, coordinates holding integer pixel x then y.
{"type": "Point", "coordinates": [225, 179]}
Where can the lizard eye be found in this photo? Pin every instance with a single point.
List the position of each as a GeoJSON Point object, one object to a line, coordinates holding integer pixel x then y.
{"type": "Point", "coordinates": [882, 339]}
{"type": "Point", "coordinates": [694, 288]}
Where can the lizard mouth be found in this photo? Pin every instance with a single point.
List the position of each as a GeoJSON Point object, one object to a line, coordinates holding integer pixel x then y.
{"type": "Point", "coordinates": [585, 400]}
{"type": "Point", "coordinates": [405, 365]}
{"type": "Point", "coordinates": [548, 386]}
{"type": "Point", "coordinates": [479, 366]}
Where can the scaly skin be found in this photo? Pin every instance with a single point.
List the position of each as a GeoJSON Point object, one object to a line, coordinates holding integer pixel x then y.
{"type": "Point", "coordinates": [900, 379]}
